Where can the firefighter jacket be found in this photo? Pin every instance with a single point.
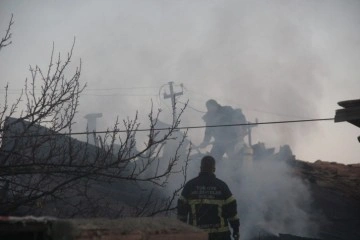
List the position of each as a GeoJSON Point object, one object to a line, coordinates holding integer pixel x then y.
{"type": "Point", "coordinates": [225, 135]}
{"type": "Point", "coordinates": [207, 202]}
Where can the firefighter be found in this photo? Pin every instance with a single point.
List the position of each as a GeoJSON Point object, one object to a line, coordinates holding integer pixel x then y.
{"type": "Point", "coordinates": [226, 139]}
{"type": "Point", "coordinates": [207, 203]}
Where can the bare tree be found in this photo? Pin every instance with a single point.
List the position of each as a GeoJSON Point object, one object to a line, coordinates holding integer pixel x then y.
{"type": "Point", "coordinates": [44, 170]}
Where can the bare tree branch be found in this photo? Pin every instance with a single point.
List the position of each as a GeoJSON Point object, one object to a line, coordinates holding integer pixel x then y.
{"type": "Point", "coordinates": [6, 40]}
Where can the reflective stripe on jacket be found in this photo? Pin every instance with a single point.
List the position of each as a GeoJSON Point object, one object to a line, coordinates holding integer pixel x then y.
{"type": "Point", "coordinates": [206, 202]}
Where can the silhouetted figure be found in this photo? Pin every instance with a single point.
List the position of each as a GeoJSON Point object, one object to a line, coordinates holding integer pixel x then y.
{"type": "Point", "coordinates": [207, 203]}
{"type": "Point", "coordinates": [225, 138]}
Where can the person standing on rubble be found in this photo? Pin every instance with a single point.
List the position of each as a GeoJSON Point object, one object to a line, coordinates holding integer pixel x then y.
{"type": "Point", "coordinates": [226, 138]}
{"type": "Point", "coordinates": [207, 202]}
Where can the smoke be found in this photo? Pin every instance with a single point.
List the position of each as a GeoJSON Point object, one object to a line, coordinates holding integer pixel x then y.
{"type": "Point", "coordinates": [270, 198]}
{"type": "Point", "coordinates": [228, 50]}
{"type": "Point", "coordinates": [262, 50]}
{"type": "Point", "coordinates": [274, 59]}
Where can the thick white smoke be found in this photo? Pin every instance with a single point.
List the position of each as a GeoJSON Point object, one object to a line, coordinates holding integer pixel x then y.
{"type": "Point", "coordinates": [275, 59]}
{"type": "Point", "coordinates": [288, 58]}
{"type": "Point", "coordinates": [270, 197]}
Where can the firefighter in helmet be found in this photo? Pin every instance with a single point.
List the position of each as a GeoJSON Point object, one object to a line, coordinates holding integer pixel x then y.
{"type": "Point", "coordinates": [207, 202]}
{"type": "Point", "coordinates": [226, 139]}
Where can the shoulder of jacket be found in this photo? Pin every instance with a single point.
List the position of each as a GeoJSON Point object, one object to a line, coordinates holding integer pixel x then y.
{"type": "Point", "coordinates": [219, 181]}
{"type": "Point", "coordinates": [192, 181]}
{"type": "Point", "coordinates": [227, 108]}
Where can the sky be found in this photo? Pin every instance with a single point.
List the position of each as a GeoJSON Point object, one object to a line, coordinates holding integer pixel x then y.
{"type": "Point", "coordinates": [276, 60]}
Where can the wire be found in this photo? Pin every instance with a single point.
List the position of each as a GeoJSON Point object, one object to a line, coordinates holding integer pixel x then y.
{"type": "Point", "coordinates": [177, 128]}
{"type": "Point", "coordinates": [205, 96]}
{"type": "Point", "coordinates": [87, 92]}
{"type": "Point", "coordinates": [110, 89]}
{"type": "Point", "coordinates": [86, 89]}
{"type": "Point", "coordinates": [94, 92]}
{"type": "Point", "coordinates": [121, 95]}
{"type": "Point", "coordinates": [189, 106]}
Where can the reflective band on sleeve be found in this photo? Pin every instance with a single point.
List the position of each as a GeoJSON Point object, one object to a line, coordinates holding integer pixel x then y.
{"type": "Point", "coordinates": [236, 217]}
{"type": "Point", "coordinates": [222, 221]}
{"type": "Point", "coordinates": [229, 200]}
{"type": "Point", "coordinates": [219, 204]}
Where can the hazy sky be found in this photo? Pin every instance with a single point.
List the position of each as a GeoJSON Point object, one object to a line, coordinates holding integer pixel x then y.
{"type": "Point", "coordinates": [277, 60]}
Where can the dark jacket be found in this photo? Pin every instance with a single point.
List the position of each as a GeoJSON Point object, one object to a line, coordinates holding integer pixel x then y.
{"type": "Point", "coordinates": [207, 202]}
{"type": "Point", "coordinates": [224, 115]}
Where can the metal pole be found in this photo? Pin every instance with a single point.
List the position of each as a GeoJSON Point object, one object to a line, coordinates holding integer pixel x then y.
{"type": "Point", "coordinates": [172, 95]}
{"type": "Point", "coordinates": [172, 100]}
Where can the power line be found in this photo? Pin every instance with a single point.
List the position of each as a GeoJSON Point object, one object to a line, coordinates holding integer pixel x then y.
{"type": "Point", "coordinates": [105, 95]}
{"type": "Point", "coordinates": [86, 89]}
{"type": "Point", "coordinates": [120, 95]}
{"type": "Point", "coordinates": [98, 92]}
{"type": "Point", "coordinates": [242, 106]}
{"type": "Point", "coordinates": [178, 128]}
{"type": "Point", "coordinates": [90, 92]}
{"type": "Point", "coordinates": [193, 108]}
{"type": "Point", "coordinates": [119, 88]}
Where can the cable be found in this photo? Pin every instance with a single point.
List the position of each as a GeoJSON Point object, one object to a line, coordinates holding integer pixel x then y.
{"type": "Point", "coordinates": [120, 95]}
{"type": "Point", "coordinates": [86, 89]}
{"type": "Point", "coordinates": [86, 93]}
{"type": "Point", "coordinates": [206, 97]}
{"type": "Point", "coordinates": [178, 128]}
{"type": "Point", "coordinates": [110, 89]}
{"type": "Point", "coordinates": [189, 106]}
